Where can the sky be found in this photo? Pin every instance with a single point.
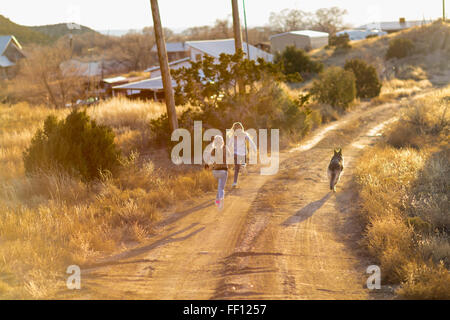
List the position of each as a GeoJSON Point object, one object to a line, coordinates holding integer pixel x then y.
{"type": "Point", "coordinates": [180, 14]}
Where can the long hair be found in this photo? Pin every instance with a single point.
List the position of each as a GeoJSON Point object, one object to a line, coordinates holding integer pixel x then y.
{"type": "Point", "coordinates": [230, 132]}
{"type": "Point", "coordinates": [218, 142]}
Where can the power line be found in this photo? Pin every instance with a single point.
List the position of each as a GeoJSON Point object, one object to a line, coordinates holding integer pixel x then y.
{"type": "Point", "coordinates": [246, 30]}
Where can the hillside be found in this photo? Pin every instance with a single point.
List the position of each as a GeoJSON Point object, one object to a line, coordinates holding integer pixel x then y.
{"type": "Point", "coordinates": [25, 35]}
{"type": "Point", "coordinates": [56, 31]}
{"type": "Point", "coordinates": [430, 59]}
{"type": "Point", "coordinates": [38, 34]}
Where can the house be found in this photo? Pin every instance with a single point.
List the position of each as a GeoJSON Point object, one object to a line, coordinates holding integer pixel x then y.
{"type": "Point", "coordinates": [213, 48]}
{"type": "Point", "coordinates": [264, 46]}
{"type": "Point", "coordinates": [303, 39]}
{"type": "Point", "coordinates": [151, 89]}
{"type": "Point", "coordinates": [394, 26]}
{"type": "Point", "coordinates": [107, 84]}
{"type": "Point", "coordinates": [10, 54]}
{"type": "Point", "coordinates": [174, 65]}
{"type": "Point", "coordinates": [175, 50]}
{"type": "Point", "coordinates": [195, 50]}
{"type": "Point", "coordinates": [356, 34]}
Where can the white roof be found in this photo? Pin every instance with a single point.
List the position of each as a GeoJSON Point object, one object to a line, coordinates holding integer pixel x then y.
{"type": "Point", "coordinates": [115, 79]}
{"type": "Point", "coordinates": [82, 69]}
{"type": "Point", "coordinates": [148, 84]}
{"type": "Point", "coordinates": [355, 34]}
{"type": "Point", "coordinates": [393, 25]}
{"type": "Point", "coordinates": [172, 47]}
{"type": "Point", "coordinates": [5, 62]}
{"type": "Point", "coordinates": [171, 64]}
{"type": "Point", "coordinates": [4, 42]}
{"type": "Point", "coordinates": [306, 33]}
{"type": "Point", "coordinates": [216, 47]}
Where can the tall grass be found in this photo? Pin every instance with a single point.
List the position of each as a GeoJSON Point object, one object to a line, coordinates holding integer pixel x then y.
{"type": "Point", "coordinates": [52, 220]}
{"type": "Point", "coordinates": [404, 191]}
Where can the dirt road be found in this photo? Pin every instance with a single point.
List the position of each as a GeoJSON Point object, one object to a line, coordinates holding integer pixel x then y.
{"type": "Point", "coordinates": [279, 237]}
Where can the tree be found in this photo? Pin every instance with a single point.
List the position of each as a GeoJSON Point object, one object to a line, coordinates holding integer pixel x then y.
{"type": "Point", "coordinates": [135, 49]}
{"type": "Point", "coordinates": [295, 61]}
{"type": "Point", "coordinates": [336, 87]}
{"type": "Point", "coordinates": [399, 48]}
{"type": "Point", "coordinates": [341, 42]}
{"type": "Point", "coordinates": [75, 144]}
{"type": "Point", "coordinates": [368, 84]}
{"type": "Point", "coordinates": [205, 83]}
{"type": "Point", "coordinates": [326, 19]}
{"type": "Point", "coordinates": [329, 20]}
{"type": "Point", "coordinates": [45, 78]}
{"type": "Point", "coordinates": [290, 20]}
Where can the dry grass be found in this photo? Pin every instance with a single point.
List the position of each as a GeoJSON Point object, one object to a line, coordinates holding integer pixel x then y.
{"type": "Point", "coordinates": [431, 57]}
{"type": "Point", "coordinates": [52, 220]}
{"type": "Point", "coordinates": [404, 193]}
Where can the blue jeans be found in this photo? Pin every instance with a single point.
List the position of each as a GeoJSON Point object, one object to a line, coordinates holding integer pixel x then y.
{"type": "Point", "coordinates": [239, 161]}
{"type": "Point", "coordinates": [221, 176]}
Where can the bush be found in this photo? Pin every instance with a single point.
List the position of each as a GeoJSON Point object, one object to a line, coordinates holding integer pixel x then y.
{"type": "Point", "coordinates": [77, 145]}
{"type": "Point", "coordinates": [336, 87]}
{"type": "Point", "coordinates": [295, 61]}
{"type": "Point", "coordinates": [340, 42]}
{"type": "Point", "coordinates": [399, 48]}
{"type": "Point", "coordinates": [368, 84]}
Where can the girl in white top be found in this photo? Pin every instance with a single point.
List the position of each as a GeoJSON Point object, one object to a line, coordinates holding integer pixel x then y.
{"type": "Point", "coordinates": [237, 140]}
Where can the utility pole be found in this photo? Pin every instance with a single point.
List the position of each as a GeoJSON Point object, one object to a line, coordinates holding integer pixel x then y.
{"type": "Point", "coordinates": [237, 37]}
{"type": "Point", "coordinates": [246, 30]}
{"type": "Point", "coordinates": [443, 10]}
{"type": "Point", "coordinates": [164, 66]}
{"type": "Point", "coordinates": [236, 26]}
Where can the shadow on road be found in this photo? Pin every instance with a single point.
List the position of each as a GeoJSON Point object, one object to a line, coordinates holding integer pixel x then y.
{"type": "Point", "coordinates": [179, 215]}
{"type": "Point", "coordinates": [306, 212]}
{"type": "Point", "coordinates": [117, 259]}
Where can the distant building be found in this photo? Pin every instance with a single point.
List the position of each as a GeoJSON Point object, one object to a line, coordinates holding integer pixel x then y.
{"type": "Point", "coordinates": [78, 68]}
{"type": "Point", "coordinates": [394, 26]}
{"type": "Point", "coordinates": [194, 51]}
{"type": "Point", "coordinates": [10, 54]}
{"type": "Point", "coordinates": [303, 39]}
{"type": "Point", "coordinates": [177, 64]}
{"type": "Point", "coordinates": [356, 34]}
{"type": "Point", "coordinates": [107, 84]}
{"type": "Point", "coordinates": [151, 89]}
{"type": "Point", "coordinates": [175, 50]}
{"type": "Point", "coordinates": [265, 46]}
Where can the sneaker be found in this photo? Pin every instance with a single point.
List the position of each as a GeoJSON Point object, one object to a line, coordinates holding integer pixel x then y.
{"type": "Point", "coordinates": [234, 185]}
{"type": "Point", "coordinates": [221, 204]}
{"type": "Point", "coordinates": [217, 203]}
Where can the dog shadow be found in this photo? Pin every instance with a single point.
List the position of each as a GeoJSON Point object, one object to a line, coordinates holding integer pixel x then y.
{"type": "Point", "coordinates": [307, 211]}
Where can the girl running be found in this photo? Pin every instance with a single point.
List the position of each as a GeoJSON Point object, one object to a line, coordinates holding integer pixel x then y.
{"type": "Point", "coordinates": [219, 167]}
{"type": "Point", "coordinates": [237, 142]}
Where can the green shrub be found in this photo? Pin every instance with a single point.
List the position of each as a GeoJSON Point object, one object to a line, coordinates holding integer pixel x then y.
{"type": "Point", "coordinates": [295, 61]}
{"type": "Point", "coordinates": [368, 84]}
{"type": "Point", "coordinates": [340, 42]}
{"type": "Point", "coordinates": [336, 87]}
{"type": "Point", "coordinates": [76, 144]}
{"type": "Point", "coordinates": [399, 48]}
